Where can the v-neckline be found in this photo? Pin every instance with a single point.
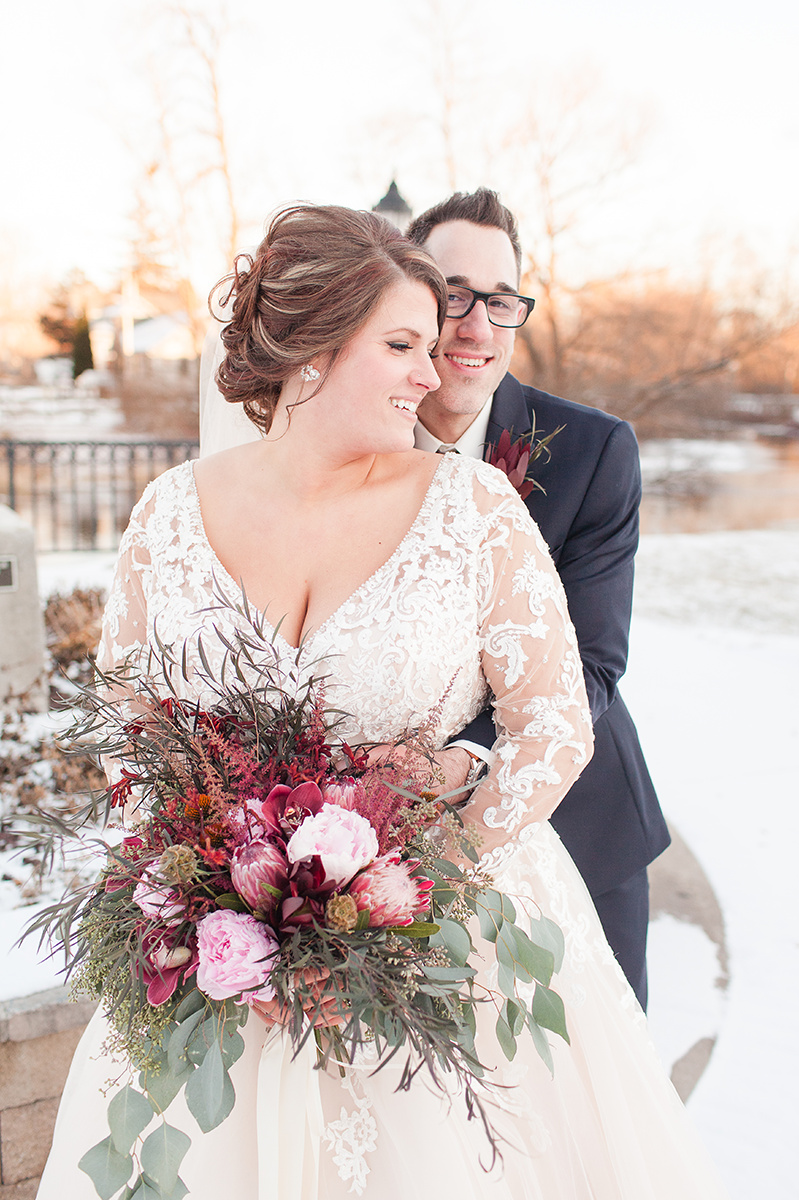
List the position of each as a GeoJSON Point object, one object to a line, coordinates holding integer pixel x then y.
{"type": "Point", "coordinates": [220, 569]}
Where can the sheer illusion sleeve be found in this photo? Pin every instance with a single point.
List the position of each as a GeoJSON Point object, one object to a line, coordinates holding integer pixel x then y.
{"type": "Point", "coordinates": [532, 665]}
{"type": "Point", "coordinates": [124, 631]}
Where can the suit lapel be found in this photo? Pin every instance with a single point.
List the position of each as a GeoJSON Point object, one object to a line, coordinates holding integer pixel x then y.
{"type": "Point", "coordinates": [508, 411]}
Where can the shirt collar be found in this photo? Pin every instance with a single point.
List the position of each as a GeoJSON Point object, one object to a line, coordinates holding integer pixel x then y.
{"type": "Point", "coordinates": [470, 443]}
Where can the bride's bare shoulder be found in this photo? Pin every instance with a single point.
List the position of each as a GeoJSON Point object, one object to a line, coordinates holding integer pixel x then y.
{"type": "Point", "coordinates": [225, 465]}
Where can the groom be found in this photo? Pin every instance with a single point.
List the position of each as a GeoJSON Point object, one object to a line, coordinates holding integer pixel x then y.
{"type": "Point", "coordinates": [610, 821]}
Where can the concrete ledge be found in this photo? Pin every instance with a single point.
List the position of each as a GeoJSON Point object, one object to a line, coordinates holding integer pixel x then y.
{"type": "Point", "coordinates": [41, 1014]}
{"type": "Point", "coordinates": [38, 1036]}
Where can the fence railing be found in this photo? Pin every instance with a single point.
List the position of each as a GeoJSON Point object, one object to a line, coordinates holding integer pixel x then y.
{"type": "Point", "coordinates": [79, 495]}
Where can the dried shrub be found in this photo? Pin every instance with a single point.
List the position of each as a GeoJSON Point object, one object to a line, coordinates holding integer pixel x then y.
{"type": "Point", "coordinates": [73, 625]}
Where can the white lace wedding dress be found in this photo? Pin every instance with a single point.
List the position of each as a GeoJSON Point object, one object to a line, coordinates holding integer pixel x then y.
{"type": "Point", "coordinates": [468, 603]}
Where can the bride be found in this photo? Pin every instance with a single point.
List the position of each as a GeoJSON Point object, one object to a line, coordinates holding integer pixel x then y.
{"type": "Point", "coordinates": [424, 583]}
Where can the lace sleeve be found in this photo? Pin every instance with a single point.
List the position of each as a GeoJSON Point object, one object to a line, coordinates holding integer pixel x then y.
{"type": "Point", "coordinates": [532, 665]}
{"type": "Point", "coordinates": [124, 631]}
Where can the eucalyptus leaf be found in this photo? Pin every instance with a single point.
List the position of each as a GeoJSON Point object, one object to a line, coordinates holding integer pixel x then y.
{"type": "Point", "coordinates": [449, 974]}
{"type": "Point", "coordinates": [163, 1084]}
{"type": "Point", "coordinates": [178, 1043]}
{"type": "Point", "coordinates": [107, 1168]}
{"type": "Point", "coordinates": [549, 935]}
{"type": "Point", "coordinates": [129, 1113]}
{"type": "Point", "coordinates": [148, 1189]}
{"type": "Point", "coordinates": [506, 978]}
{"type": "Point", "coordinates": [417, 929]}
{"type": "Point", "coordinates": [541, 1044]}
{"type": "Point", "coordinates": [548, 1011]}
{"type": "Point", "coordinates": [457, 941]}
{"type": "Point", "coordinates": [506, 1039]}
{"type": "Point", "coordinates": [537, 961]}
{"type": "Point", "coordinates": [493, 909]}
{"type": "Point", "coordinates": [209, 1091]}
{"type": "Point", "coordinates": [161, 1155]}
{"type": "Point", "coordinates": [515, 1016]}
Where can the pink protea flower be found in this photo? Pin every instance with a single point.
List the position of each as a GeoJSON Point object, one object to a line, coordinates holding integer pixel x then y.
{"type": "Point", "coordinates": [390, 892]}
{"type": "Point", "coordinates": [516, 458]}
{"type": "Point", "coordinates": [342, 841]}
{"type": "Point", "coordinates": [157, 901]}
{"type": "Point", "coordinates": [259, 872]}
{"type": "Point", "coordinates": [342, 793]}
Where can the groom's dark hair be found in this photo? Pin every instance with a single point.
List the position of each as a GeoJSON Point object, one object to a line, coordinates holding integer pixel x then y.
{"type": "Point", "coordinates": [482, 207]}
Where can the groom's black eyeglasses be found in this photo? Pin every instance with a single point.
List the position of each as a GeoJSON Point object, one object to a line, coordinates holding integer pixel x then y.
{"type": "Point", "coordinates": [502, 308]}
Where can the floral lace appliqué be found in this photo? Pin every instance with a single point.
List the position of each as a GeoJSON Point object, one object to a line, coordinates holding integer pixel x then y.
{"type": "Point", "coordinates": [350, 1139]}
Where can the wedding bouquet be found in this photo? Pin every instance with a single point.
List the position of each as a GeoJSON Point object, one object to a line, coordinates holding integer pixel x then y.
{"type": "Point", "coordinates": [263, 863]}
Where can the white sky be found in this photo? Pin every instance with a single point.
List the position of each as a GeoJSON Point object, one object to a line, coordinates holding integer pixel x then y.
{"type": "Point", "coordinates": [326, 101]}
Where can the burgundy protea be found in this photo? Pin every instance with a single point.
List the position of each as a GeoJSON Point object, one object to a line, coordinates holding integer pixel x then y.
{"type": "Point", "coordinates": [390, 892]}
{"type": "Point", "coordinates": [259, 872]}
{"type": "Point", "coordinates": [516, 458]}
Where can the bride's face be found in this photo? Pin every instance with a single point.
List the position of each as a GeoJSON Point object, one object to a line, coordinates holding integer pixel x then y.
{"type": "Point", "coordinates": [369, 400]}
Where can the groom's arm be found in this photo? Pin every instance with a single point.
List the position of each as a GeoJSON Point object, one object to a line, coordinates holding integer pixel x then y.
{"type": "Point", "coordinates": [596, 568]}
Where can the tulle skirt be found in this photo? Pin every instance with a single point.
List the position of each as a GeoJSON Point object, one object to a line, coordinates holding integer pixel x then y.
{"type": "Point", "coordinates": [607, 1126]}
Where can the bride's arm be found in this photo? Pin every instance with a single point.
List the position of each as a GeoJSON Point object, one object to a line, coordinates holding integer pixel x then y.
{"type": "Point", "coordinates": [532, 665]}
{"type": "Point", "coordinates": [123, 636]}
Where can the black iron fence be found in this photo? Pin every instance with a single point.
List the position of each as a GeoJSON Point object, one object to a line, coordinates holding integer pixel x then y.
{"type": "Point", "coordinates": [78, 495]}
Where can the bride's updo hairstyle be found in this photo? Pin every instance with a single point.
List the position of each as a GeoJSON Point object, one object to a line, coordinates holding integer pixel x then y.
{"type": "Point", "coordinates": [315, 281]}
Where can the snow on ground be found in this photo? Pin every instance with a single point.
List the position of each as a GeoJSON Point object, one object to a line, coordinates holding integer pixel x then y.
{"type": "Point", "coordinates": [714, 659]}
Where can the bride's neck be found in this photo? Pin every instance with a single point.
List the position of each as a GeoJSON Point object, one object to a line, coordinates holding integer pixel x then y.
{"type": "Point", "coordinates": [306, 465]}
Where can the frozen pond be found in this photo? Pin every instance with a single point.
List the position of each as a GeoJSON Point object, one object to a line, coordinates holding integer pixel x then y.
{"type": "Point", "coordinates": [704, 486]}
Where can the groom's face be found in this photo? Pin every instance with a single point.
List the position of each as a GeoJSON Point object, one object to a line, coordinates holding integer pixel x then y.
{"type": "Point", "coordinates": [472, 354]}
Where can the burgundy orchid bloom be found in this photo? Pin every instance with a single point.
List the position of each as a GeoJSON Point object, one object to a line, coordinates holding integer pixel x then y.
{"type": "Point", "coordinates": [166, 965]}
{"type": "Point", "coordinates": [285, 808]}
{"type": "Point", "coordinates": [300, 912]}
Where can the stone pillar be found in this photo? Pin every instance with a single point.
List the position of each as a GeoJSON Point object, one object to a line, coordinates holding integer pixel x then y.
{"type": "Point", "coordinates": [23, 680]}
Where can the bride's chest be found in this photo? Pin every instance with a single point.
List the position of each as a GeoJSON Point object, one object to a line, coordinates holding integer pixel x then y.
{"type": "Point", "coordinates": [404, 644]}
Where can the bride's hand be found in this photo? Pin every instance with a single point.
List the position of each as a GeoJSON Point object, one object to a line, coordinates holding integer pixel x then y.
{"type": "Point", "coordinates": [274, 1012]}
{"type": "Point", "coordinates": [450, 766]}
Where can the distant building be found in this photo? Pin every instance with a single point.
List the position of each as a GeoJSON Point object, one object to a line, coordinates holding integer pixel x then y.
{"type": "Point", "coordinates": [395, 208]}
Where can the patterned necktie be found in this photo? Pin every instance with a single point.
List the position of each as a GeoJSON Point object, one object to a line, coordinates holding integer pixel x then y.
{"type": "Point", "coordinates": [443, 449]}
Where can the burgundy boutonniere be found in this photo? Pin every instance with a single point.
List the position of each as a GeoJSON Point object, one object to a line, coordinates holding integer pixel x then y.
{"type": "Point", "coordinates": [516, 458]}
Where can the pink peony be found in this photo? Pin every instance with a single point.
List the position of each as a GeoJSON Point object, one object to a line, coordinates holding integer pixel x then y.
{"type": "Point", "coordinates": [343, 841]}
{"type": "Point", "coordinates": [236, 954]}
{"type": "Point", "coordinates": [389, 892]}
{"type": "Point", "coordinates": [259, 872]}
{"type": "Point", "coordinates": [157, 901]}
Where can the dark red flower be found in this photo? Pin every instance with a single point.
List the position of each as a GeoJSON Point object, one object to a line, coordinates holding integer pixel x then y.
{"type": "Point", "coordinates": [166, 965]}
{"type": "Point", "coordinates": [516, 458]}
{"type": "Point", "coordinates": [285, 808]}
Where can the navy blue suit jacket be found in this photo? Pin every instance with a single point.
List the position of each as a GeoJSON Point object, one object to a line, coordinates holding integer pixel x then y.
{"type": "Point", "coordinates": [610, 821]}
